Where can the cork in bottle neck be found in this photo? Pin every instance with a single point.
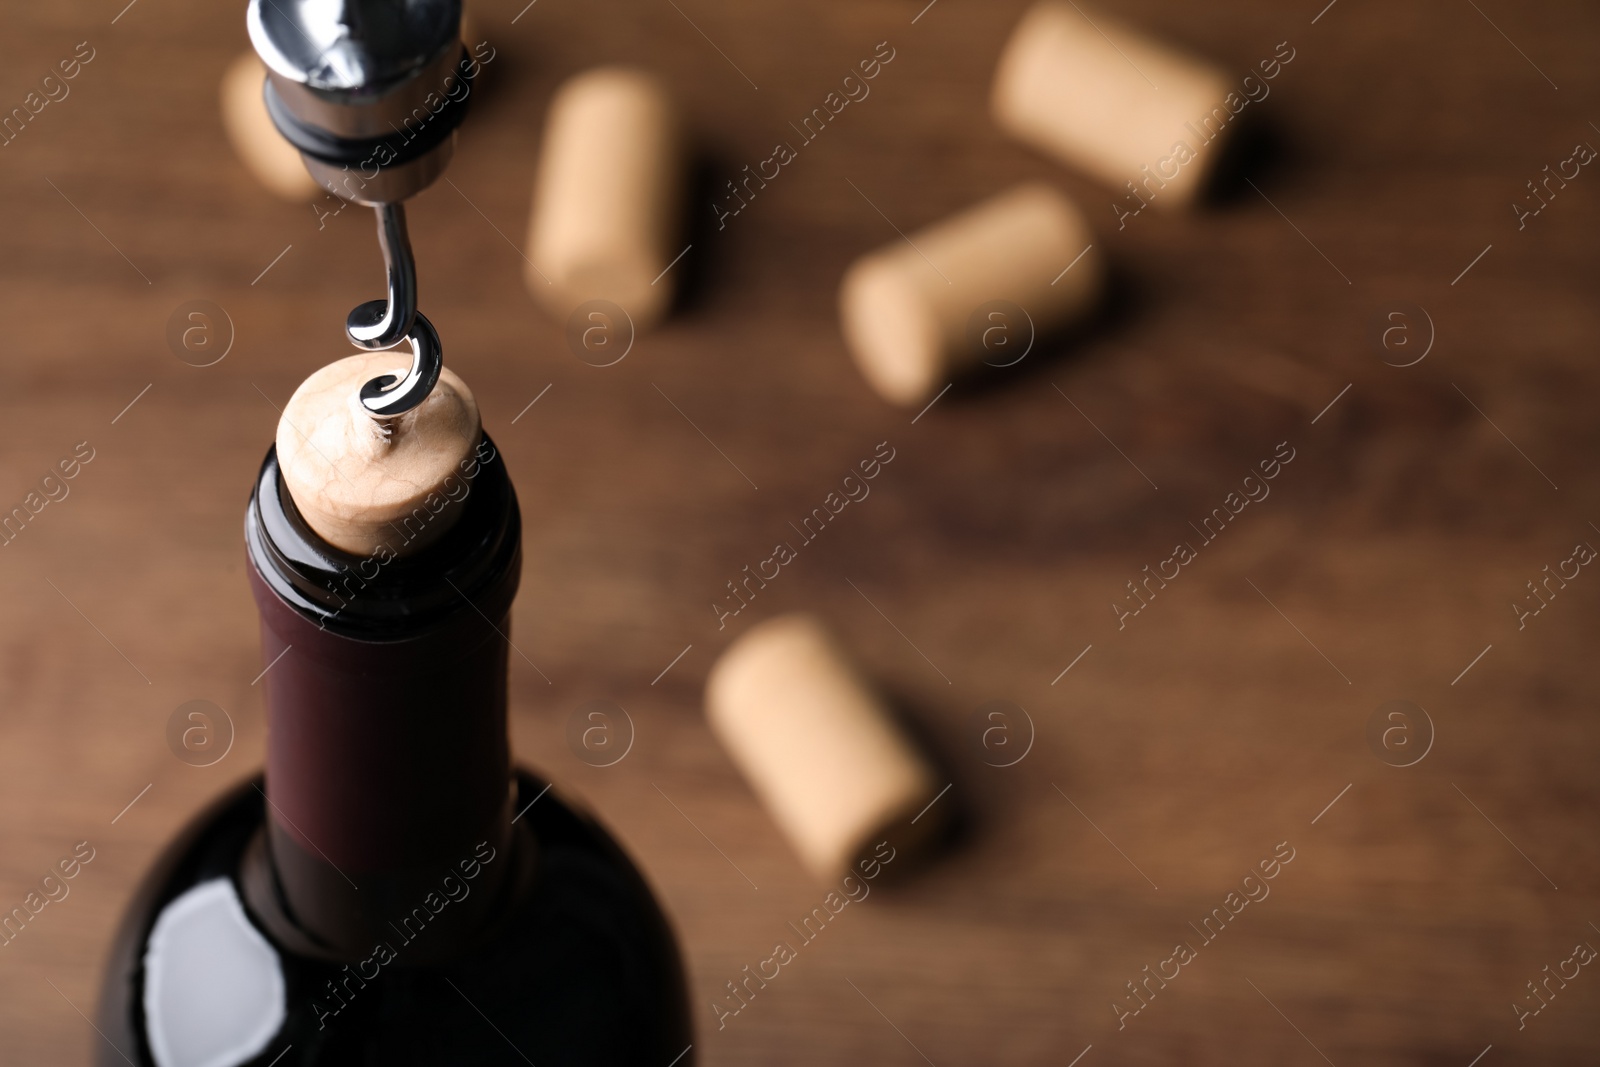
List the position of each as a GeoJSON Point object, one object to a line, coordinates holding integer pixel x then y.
{"type": "Point", "coordinates": [364, 487]}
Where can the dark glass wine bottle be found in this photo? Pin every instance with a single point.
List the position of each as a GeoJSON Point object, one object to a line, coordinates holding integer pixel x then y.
{"type": "Point", "coordinates": [392, 892]}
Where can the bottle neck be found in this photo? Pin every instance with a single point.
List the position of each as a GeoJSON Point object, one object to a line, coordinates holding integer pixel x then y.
{"type": "Point", "coordinates": [388, 771]}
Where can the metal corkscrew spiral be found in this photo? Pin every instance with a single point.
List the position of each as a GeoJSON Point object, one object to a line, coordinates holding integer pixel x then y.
{"type": "Point", "coordinates": [381, 324]}
{"type": "Point", "coordinates": [371, 92]}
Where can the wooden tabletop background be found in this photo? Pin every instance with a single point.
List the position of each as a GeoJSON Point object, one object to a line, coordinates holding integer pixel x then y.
{"type": "Point", "coordinates": [1178, 751]}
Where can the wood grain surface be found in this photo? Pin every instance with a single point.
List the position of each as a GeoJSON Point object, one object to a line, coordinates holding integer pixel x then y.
{"type": "Point", "coordinates": [1175, 755]}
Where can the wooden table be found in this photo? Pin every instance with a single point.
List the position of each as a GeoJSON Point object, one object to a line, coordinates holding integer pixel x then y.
{"type": "Point", "coordinates": [1179, 751]}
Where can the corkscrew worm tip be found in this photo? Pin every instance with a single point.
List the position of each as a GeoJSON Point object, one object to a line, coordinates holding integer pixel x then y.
{"type": "Point", "coordinates": [381, 324]}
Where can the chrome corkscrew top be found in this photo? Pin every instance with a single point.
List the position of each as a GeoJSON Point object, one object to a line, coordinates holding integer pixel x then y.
{"type": "Point", "coordinates": [370, 92]}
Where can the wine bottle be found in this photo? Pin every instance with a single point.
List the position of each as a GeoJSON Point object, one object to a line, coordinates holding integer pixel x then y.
{"type": "Point", "coordinates": [391, 891]}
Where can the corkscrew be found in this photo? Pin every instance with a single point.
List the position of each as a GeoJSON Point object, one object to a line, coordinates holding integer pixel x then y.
{"type": "Point", "coordinates": [370, 92]}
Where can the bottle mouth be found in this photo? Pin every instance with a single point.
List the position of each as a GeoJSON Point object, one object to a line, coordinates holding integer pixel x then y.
{"type": "Point", "coordinates": [475, 566]}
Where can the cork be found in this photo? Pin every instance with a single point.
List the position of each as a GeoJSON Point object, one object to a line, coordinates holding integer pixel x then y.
{"type": "Point", "coordinates": [361, 491]}
{"type": "Point", "coordinates": [975, 288]}
{"type": "Point", "coordinates": [271, 160]}
{"type": "Point", "coordinates": [608, 200]}
{"type": "Point", "coordinates": [818, 746]}
{"type": "Point", "coordinates": [1110, 101]}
